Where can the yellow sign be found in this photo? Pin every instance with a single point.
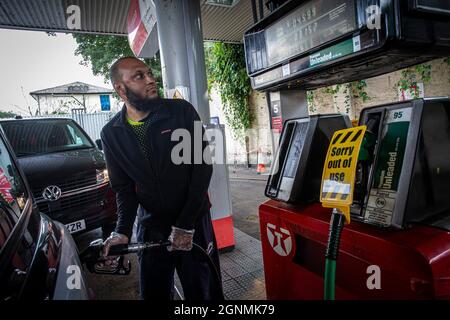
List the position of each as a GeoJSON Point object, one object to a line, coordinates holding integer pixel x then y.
{"type": "Point", "coordinates": [177, 95]}
{"type": "Point", "coordinates": [179, 92]}
{"type": "Point", "coordinates": [339, 170]}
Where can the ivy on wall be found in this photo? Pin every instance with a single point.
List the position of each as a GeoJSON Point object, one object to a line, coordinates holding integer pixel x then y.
{"type": "Point", "coordinates": [355, 89]}
{"type": "Point", "coordinates": [424, 70]}
{"type": "Point", "coordinates": [225, 65]}
{"type": "Point", "coordinates": [410, 76]}
{"type": "Point", "coordinates": [310, 99]}
{"type": "Point", "coordinates": [448, 64]}
{"type": "Point", "coordinates": [409, 79]}
{"type": "Point", "coordinates": [333, 90]}
{"type": "Point", "coordinates": [347, 101]}
{"type": "Point", "coordinates": [359, 90]}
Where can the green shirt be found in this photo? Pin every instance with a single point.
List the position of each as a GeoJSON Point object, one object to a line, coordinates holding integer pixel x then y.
{"type": "Point", "coordinates": [140, 130]}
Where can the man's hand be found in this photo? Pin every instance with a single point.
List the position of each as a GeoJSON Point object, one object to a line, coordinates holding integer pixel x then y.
{"type": "Point", "coordinates": [181, 239]}
{"type": "Point", "coordinates": [113, 239]}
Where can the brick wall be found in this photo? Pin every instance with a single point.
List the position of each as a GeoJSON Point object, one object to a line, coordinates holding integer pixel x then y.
{"type": "Point", "coordinates": [260, 146]}
{"type": "Point", "coordinates": [257, 146]}
{"type": "Point", "coordinates": [381, 89]}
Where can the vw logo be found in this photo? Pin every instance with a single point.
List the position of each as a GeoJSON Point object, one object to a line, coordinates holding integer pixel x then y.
{"type": "Point", "coordinates": [52, 193]}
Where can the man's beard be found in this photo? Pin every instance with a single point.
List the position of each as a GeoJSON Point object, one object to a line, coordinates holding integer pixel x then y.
{"type": "Point", "coordinates": [141, 104]}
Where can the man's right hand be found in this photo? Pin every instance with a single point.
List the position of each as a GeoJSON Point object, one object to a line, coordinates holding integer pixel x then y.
{"type": "Point", "coordinates": [114, 239]}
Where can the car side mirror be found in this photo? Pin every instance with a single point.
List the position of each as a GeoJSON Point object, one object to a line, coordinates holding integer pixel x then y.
{"type": "Point", "coordinates": [98, 142]}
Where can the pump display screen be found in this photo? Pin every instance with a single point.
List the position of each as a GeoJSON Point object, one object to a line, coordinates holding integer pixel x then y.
{"type": "Point", "coordinates": [308, 26]}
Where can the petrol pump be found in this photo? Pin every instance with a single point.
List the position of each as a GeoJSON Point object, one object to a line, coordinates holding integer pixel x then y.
{"type": "Point", "coordinates": [382, 230]}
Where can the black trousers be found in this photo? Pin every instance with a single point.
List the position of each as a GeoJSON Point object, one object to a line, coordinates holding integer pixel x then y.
{"type": "Point", "coordinates": [157, 266]}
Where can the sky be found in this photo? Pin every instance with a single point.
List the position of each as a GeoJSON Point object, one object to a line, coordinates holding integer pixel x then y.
{"type": "Point", "coordinates": [32, 60]}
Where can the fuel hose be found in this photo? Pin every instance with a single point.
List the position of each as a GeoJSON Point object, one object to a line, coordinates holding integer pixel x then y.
{"type": "Point", "coordinates": [331, 255]}
{"type": "Point", "coordinates": [122, 249]}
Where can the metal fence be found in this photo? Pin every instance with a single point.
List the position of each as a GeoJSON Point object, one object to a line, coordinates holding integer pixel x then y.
{"type": "Point", "coordinates": [92, 123]}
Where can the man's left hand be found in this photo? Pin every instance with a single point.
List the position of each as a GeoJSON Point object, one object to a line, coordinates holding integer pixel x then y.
{"type": "Point", "coordinates": [181, 239]}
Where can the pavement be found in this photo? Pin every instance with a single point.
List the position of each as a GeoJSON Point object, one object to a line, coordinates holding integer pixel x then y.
{"type": "Point", "coordinates": [242, 268]}
{"type": "Point", "coordinates": [247, 193]}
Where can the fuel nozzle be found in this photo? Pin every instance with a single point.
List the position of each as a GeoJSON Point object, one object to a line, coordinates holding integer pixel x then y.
{"type": "Point", "coordinates": [115, 263]}
{"type": "Point", "coordinates": [368, 143]}
{"type": "Point", "coordinates": [365, 159]}
{"type": "Point", "coordinates": [96, 263]}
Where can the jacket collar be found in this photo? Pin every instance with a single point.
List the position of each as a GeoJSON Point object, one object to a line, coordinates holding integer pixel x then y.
{"type": "Point", "coordinates": [162, 111]}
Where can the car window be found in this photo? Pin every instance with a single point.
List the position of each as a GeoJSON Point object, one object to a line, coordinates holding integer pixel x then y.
{"type": "Point", "coordinates": [34, 137]}
{"type": "Point", "coordinates": [75, 136]}
{"type": "Point", "coordinates": [13, 196]}
{"type": "Point", "coordinates": [12, 187]}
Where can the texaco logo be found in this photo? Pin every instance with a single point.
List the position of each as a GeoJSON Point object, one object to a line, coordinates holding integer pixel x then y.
{"type": "Point", "coordinates": [280, 239]}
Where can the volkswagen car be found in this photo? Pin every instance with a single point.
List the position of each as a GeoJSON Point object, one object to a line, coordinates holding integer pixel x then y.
{"type": "Point", "coordinates": [66, 171]}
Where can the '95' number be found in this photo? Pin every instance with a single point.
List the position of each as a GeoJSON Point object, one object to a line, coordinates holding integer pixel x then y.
{"type": "Point", "coordinates": [398, 115]}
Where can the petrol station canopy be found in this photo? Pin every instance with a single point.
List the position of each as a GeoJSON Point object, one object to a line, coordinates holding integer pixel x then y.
{"type": "Point", "coordinates": [109, 17]}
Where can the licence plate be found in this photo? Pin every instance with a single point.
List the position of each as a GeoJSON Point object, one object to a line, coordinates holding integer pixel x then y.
{"type": "Point", "coordinates": [76, 226]}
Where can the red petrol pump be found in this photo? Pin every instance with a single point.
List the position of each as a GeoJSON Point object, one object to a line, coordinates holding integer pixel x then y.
{"type": "Point", "coordinates": [412, 264]}
{"type": "Point", "coordinates": [400, 228]}
{"type": "Point", "coordinates": [397, 245]}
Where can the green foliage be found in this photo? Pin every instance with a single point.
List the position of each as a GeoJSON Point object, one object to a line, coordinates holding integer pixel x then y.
{"type": "Point", "coordinates": [225, 67]}
{"type": "Point", "coordinates": [332, 89]}
{"type": "Point", "coordinates": [410, 77]}
{"type": "Point", "coordinates": [448, 64]}
{"type": "Point", "coordinates": [310, 99]}
{"type": "Point", "coordinates": [7, 114]}
{"type": "Point", "coordinates": [408, 81]}
{"type": "Point", "coordinates": [359, 90]}
{"type": "Point", "coordinates": [424, 70]}
{"type": "Point", "coordinates": [101, 51]}
{"type": "Point", "coordinates": [347, 100]}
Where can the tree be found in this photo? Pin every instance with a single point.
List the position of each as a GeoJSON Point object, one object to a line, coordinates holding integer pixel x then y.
{"type": "Point", "coordinates": [101, 51]}
{"type": "Point", "coordinates": [7, 114]}
{"type": "Point", "coordinates": [225, 68]}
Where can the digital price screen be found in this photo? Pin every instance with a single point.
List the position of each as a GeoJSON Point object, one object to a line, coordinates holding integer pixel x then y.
{"type": "Point", "coordinates": [309, 26]}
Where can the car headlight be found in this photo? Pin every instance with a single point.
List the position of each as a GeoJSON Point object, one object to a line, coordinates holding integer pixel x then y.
{"type": "Point", "coordinates": [102, 176]}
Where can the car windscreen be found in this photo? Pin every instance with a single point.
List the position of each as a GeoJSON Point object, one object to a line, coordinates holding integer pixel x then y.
{"type": "Point", "coordinates": [35, 137]}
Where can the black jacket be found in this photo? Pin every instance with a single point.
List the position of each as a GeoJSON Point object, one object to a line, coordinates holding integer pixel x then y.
{"type": "Point", "coordinates": [172, 194]}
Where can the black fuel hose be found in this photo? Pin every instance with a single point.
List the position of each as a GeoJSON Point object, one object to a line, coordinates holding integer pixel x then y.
{"type": "Point", "coordinates": [122, 249]}
{"type": "Point", "coordinates": [334, 238]}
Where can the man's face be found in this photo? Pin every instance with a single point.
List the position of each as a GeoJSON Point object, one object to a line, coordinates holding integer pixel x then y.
{"type": "Point", "coordinates": [137, 85]}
